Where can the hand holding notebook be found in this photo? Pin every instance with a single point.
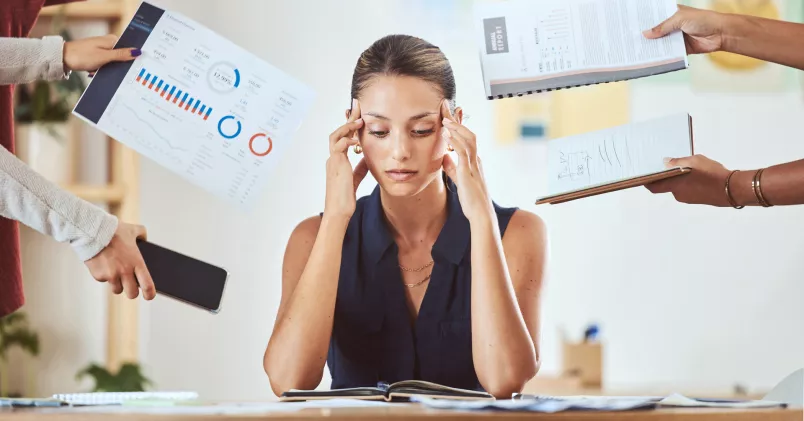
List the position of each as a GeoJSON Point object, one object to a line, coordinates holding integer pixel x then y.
{"type": "Point", "coordinates": [616, 158]}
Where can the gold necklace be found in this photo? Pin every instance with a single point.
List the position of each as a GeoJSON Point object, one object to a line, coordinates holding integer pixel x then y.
{"type": "Point", "coordinates": [417, 269]}
{"type": "Point", "coordinates": [419, 283]}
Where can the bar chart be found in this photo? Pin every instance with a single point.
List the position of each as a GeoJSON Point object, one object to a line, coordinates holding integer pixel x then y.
{"type": "Point", "coordinates": [184, 100]}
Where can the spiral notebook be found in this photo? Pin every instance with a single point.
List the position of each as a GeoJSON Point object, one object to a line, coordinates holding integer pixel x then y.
{"type": "Point", "coordinates": [534, 46]}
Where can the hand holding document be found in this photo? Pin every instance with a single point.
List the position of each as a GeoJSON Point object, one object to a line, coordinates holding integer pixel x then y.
{"type": "Point", "coordinates": [532, 46]}
{"type": "Point", "coordinates": [197, 104]}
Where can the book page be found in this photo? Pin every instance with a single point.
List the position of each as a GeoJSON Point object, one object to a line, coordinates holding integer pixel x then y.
{"type": "Point", "coordinates": [618, 153]}
{"type": "Point", "coordinates": [197, 104]}
{"type": "Point", "coordinates": [530, 41]}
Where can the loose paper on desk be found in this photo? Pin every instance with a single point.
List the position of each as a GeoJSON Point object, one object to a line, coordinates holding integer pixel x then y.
{"type": "Point", "coordinates": [197, 104]}
{"type": "Point", "coordinates": [617, 153]}
{"type": "Point", "coordinates": [529, 46]}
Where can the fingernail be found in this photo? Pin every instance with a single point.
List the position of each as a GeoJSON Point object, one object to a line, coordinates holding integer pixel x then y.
{"type": "Point", "coordinates": [359, 120]}
{"type": "Point", "coordinates": [446, 121]}
{"type": "Point", "coordinates": [354, 103]}
{"type": "Point", "coordinates": [667, 161]}
{"type": "Point", "coordinates": [136, 52]}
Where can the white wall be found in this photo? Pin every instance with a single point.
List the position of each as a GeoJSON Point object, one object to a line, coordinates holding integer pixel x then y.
{"type": "Point", "coordinates": [688, 297]}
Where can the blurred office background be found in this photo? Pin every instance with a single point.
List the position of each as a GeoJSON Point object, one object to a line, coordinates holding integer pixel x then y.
{"type": "Point", "coordinates": [687, 298]}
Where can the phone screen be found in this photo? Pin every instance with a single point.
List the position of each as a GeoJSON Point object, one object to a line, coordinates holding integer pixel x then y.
{"type": "Point", "coordinates": [184, 278]}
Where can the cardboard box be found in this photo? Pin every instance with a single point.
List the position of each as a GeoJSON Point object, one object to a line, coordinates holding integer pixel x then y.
{"type": "Point", "coordinates": [585, 361]}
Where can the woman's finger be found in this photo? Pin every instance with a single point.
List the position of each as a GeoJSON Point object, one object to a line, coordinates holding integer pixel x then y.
{"type": "Point", "coordinates": [116, 285]}
{"type": "Point", "coordinates": [449, 167]}
{"type": "Point", "coordinates": [342, 145]}
{"type": "Point", "coordinates": [355, 115]}
{"type": "Point", "coordinates": [461, 146]}
{"type": "Point", "coordinates": [360, 172]}
{"type": "Point", "coordinates": [462, 130]}
{"type": "Point", "coordinates": [344, 131]}
{"type": "Point", "coordinates": [145, 281]}
{"type": "Point", "coordinates": [130, 285]}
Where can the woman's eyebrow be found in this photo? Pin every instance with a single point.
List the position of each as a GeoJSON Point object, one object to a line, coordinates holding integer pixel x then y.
{"type": "Point", "coordinates": [415, 117]}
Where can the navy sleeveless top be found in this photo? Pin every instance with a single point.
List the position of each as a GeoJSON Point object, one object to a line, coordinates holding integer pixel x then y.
{"type": "Point", "coordinates": [373, 339]}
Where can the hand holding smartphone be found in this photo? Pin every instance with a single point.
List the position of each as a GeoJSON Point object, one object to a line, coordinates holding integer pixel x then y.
{"type": "Point", "coordinates": [184, 278]}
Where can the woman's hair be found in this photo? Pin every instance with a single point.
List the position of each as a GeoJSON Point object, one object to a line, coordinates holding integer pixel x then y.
{"type": "Point", "coordinates": [404, 55]}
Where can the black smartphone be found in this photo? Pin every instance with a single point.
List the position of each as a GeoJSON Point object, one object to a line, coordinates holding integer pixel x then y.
{"type": "Point", "coordinates": [184, 278]}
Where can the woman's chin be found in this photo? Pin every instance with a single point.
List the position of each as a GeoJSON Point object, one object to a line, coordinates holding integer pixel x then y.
{"type": "Point", "coordinates": [401, 188]}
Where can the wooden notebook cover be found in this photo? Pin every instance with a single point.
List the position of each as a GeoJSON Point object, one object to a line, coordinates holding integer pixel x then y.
{"type": "Point", "coordinates": [612, 187]}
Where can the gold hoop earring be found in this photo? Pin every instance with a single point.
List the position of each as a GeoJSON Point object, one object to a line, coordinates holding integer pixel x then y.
{"type": "Point", "coordinates": [358, 149]}
{"type": "Point", "coordinates": [450, 148]}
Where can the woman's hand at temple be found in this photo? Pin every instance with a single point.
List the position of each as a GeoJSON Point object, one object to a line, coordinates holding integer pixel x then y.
{"type": "Point", "coordinates": [342, 180]}
{"type": "Point", "coordinates": [467, 173]}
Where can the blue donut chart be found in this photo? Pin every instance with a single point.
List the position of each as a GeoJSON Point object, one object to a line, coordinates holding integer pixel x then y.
{"type": "Point", "coordinates": [237, 78]}
{"type": "Point", "coordinates": [220, 127]}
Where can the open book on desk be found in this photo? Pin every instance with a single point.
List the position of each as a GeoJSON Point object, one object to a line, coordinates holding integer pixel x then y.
{"type": "Point", "coordinates": [529, 46]}
{"type": "Point", "coordinates": [617, 158]}
{"type": "Point", "coordinates": [399, 391]}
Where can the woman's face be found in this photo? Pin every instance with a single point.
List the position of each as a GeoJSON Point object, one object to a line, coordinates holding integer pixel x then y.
{"type": "Point", "coordinates": [402, 136]}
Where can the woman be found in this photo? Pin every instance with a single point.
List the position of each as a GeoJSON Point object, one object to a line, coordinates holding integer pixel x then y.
{"type": "Point", "coordinates": [387, 288]}
{"type": "Point", "coordinates": [107, 246]}
{"type": "Point", "coordinates": [711, 183]}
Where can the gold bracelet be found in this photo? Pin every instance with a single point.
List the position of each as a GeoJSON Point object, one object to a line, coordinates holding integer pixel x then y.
{"type": "Point", "coordinates": [758, 190]}
{"type": "Point", "coordinates": [728, 192]}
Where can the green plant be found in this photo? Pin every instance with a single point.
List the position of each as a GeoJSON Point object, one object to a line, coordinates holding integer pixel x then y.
{"type": "Point", "coordinates": [128, 379]}
{"type": "Point", "coordinates": [14, 331]}
{"type": "Point", "coordinates": [48, 102]}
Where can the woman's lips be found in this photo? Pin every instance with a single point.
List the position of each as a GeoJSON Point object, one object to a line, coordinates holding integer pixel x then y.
{"type": "Point", "coordinates": [401, 175]}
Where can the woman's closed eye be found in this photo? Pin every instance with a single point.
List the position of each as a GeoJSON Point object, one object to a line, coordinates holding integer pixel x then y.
{"type": "Point", "coordinates": [415, 133]}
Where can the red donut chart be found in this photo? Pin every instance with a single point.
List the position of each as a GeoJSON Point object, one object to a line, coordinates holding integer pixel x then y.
{"type": "Point", "coordinates": [251, 144]}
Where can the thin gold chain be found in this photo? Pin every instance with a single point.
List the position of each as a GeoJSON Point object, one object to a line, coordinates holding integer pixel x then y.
{"type": "Point", "coordinates": [417, 269]}
{"type": "Point", "coordinates": [419, 283]}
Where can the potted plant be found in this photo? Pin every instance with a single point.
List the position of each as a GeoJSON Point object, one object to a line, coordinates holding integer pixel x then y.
{"type": "Point", "coordinates": [42, 114]}
{"type": "Point", "coordinates": [14, 331]}
{"type": "Point", "coordinates": [128, 379]}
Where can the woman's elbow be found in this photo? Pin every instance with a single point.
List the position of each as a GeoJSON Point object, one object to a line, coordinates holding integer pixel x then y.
{"type": "Point", "coordinates": [284, 377]}
{"type": "Point", "coordinates": [513, 379]}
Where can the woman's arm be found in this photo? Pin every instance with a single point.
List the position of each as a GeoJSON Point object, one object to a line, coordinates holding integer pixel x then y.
{"type": "Point", "coordinates": [706, 185]}
{"type": "Point", "coordinates": [106, 246]}
{"type": "Point", "coordinates": [506, 283]}
{"type": "Point", "coordinates": [706, 31]}
{"type": "Point", "coordinates": [29, 198]}
{"type": "Point", "coordinates": [297, 350]}
{"type": "Point", "coordinates": [24, 60]}
{"type": "Point", "coordinates": [765, 39]}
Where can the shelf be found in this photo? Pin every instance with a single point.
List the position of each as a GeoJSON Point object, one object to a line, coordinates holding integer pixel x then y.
{"type": "Point", "coordinates": [109, 194]}
{"type": "Point", "coordinates": [109, 10]}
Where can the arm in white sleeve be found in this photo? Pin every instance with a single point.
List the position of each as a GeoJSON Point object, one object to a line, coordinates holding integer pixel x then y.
{"type": "Point", "coordinates": [24, 60]}
{"type": "Point", "coordinates": [29, 198]}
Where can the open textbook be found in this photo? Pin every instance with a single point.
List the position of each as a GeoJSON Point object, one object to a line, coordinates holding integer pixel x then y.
{"type": "Point", "coordinates": [197, 104]}
{"type": "Point", "coordinates": [616, 158]}
{"type": "Point", "coordinates": [532, 46]}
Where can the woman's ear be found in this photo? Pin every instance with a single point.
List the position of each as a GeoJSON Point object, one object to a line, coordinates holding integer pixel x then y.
{"type": "Point", "coordinates": [347, 113]}
{"type": "Point", "coordinates": [458, 114]}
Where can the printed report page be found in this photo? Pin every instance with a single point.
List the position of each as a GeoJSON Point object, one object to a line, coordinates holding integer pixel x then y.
{"type": "Point", "coordinates": [197, 104]}
{"type": "Point", "coordinates": [529, 41]}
